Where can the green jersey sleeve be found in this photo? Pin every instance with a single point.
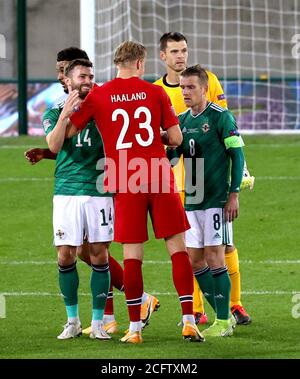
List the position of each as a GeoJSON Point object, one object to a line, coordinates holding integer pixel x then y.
{"type": "Point", "coordinates": [228, 131]}
{"type": "Point", "coordinates": [237, 168]}
{"type": "Point", "coordinates": [234, 146]}
{"type": "Point", "coordinates": [50, 118]}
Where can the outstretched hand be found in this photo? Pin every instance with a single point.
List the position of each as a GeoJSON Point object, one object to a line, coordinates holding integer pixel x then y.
{"type": "Point", "coordinates": [34, 155]}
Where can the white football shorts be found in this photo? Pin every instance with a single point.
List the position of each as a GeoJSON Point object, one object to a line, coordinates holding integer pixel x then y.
{"type": "Point", "coordinates": [76, 216]}
{"type": "Point", "coordinates": [208, 228]}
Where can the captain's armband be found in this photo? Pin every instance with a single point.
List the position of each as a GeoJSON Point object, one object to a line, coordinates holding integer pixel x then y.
{"type": "Point", "coordinates": [233, 142]}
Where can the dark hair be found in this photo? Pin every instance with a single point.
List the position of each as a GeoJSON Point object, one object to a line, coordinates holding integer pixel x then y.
{"type": "Point", "coordinates": [196, 70]}
{"type": "Point", "coordinates": [170, 36]}
{"type": "Point", "coordinates": [71, 53]}
{"type": "Point", "coordinates": [75, 63]}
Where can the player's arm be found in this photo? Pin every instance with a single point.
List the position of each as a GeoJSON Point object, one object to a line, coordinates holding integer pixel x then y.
{"type": "Point", "coordinates": [174, 155]}
{"type": "Point", "coordinates": [232, 205]}
{"type": "Point", "coordinates": [56, 137]}
{"type": "Point", "coordinates": [35, 155]}
{"type": "Point", "coordinates": [172, 136]}
{"type": "Point", "coordinates": [234, 148]}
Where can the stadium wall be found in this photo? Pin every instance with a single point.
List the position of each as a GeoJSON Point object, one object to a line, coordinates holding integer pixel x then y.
{"type": "Point", "coordinates": [51, 26]}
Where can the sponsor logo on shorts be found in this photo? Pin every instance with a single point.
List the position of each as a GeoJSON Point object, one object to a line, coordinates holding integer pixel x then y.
{"type": "Point", "coordinates": [217, 235]}
{"type": "Point", "coordinates": [219, 296]}
{"type": "Point", "coordinates": [101, 295]}
{"type": "Point", "coordinates": [60, 234]}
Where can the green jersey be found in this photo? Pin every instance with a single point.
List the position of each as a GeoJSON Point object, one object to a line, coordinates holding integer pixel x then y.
{"type": "Point", "coordinates": [213, 136]}
{"type": "Point", "coordinates": [75, 171]}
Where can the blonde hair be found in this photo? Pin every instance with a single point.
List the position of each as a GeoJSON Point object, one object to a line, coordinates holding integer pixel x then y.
{"type": "Point", "coordinates": [129, 51]}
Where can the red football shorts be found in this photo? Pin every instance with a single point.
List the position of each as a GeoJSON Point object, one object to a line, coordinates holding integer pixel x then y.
{"type": "Point", "coordinates": [131, 214]}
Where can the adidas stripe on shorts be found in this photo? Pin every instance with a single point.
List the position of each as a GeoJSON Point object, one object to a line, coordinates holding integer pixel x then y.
{"type": "Point", "coordinates": [208, 228]}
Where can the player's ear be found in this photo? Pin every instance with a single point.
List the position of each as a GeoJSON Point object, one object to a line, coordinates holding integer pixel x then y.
{"type": "Point", "coordinates": [162, 55]}
{"type": "Point", "coordinates": [67, 81]}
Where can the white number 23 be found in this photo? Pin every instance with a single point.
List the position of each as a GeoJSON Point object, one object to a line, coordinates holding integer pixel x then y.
{"type": "Point", "coordinates": [142, 125]}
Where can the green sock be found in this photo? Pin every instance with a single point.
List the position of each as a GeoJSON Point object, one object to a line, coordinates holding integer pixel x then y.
{"type": "Point", "coordinates": [222, 287]}
{"type": "Point", "coordinates": [100, 282]}
{"type": "Point", "coordinates": [68, 283]}
{"type": "Point", "coordinates": [206, 284]}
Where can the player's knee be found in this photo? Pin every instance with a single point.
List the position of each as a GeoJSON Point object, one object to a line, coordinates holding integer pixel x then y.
{"type": "Point", "coordinates": [66, 255]}
{"type": "Point", "coordinates": [229, 249]}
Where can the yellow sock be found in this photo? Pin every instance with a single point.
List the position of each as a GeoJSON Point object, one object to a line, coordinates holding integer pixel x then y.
{"type": "Point", "coordinates": [232, 262]}
{"type": "Point", "coordinates": [198, 305]}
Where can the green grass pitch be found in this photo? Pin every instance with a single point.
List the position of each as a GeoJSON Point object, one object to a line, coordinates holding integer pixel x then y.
{"type": "Point", "coordinates": [266, 234]}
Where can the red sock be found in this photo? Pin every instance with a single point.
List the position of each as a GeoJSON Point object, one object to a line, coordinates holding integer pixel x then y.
{"type": "Point", "coordinates": [116, 280]}
{"type": "Point", "coordinates": [116, 274]}
{"type": "Point", "coordinates": [133, 287]}
{"type": "Point", "coordinates": [183, 280]}
{"type": "Point", "coordinates": [109, 306]}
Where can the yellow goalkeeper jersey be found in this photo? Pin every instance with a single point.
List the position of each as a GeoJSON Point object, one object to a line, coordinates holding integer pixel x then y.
{"type": "Point", "coordinates": [215, 94]}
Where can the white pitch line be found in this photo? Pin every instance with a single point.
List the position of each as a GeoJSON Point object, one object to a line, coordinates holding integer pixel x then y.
{"type": "Point", "coordinates": [272, 145]}
{"type": "Point", "coordinates": [278, 177]}
{"type": "Point", "coordinates": [272, 262]}
{"type": "Point", "coordinates": [156, 293]}
{"type": "Point", "coordinates": [4, 180]}
{"type": "Point", "coordinates": [267, 261]}
{"type": "Point", "coordinates": [22, 146]}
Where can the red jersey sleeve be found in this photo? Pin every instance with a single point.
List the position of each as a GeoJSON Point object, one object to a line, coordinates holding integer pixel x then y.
{"type": "Point", "coordinates": [169, 117]}
{"type": "Point", "coordinates": [85, 113]}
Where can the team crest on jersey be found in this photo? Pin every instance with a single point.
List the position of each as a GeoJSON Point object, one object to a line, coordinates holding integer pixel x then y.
{"type": "Point", "coordinates": [205, 128]}
{"type": "Point", "coordinates": [46, 124]}
{"type": "Point", "coordinates": [60, 234]}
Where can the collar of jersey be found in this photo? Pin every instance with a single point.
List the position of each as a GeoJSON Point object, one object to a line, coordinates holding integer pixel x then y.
{"type": "Point", "coordinates": [167, 84]}
{"type": "Point", "coordinates": [199, 114]}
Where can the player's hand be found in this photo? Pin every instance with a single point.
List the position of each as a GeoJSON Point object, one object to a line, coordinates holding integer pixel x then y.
{"type": "Point", "coordinates": [34, 155]}
{"type": "Point", "coordinates": [231, 209]}
{"type": "Point", "coordinates": [165, 140]}
{"type": "Point", "coordinates": [72, 102]}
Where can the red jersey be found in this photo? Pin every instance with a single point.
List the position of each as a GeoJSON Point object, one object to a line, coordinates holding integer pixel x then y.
{"type": "Point", "coordinates": [129, 114]}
